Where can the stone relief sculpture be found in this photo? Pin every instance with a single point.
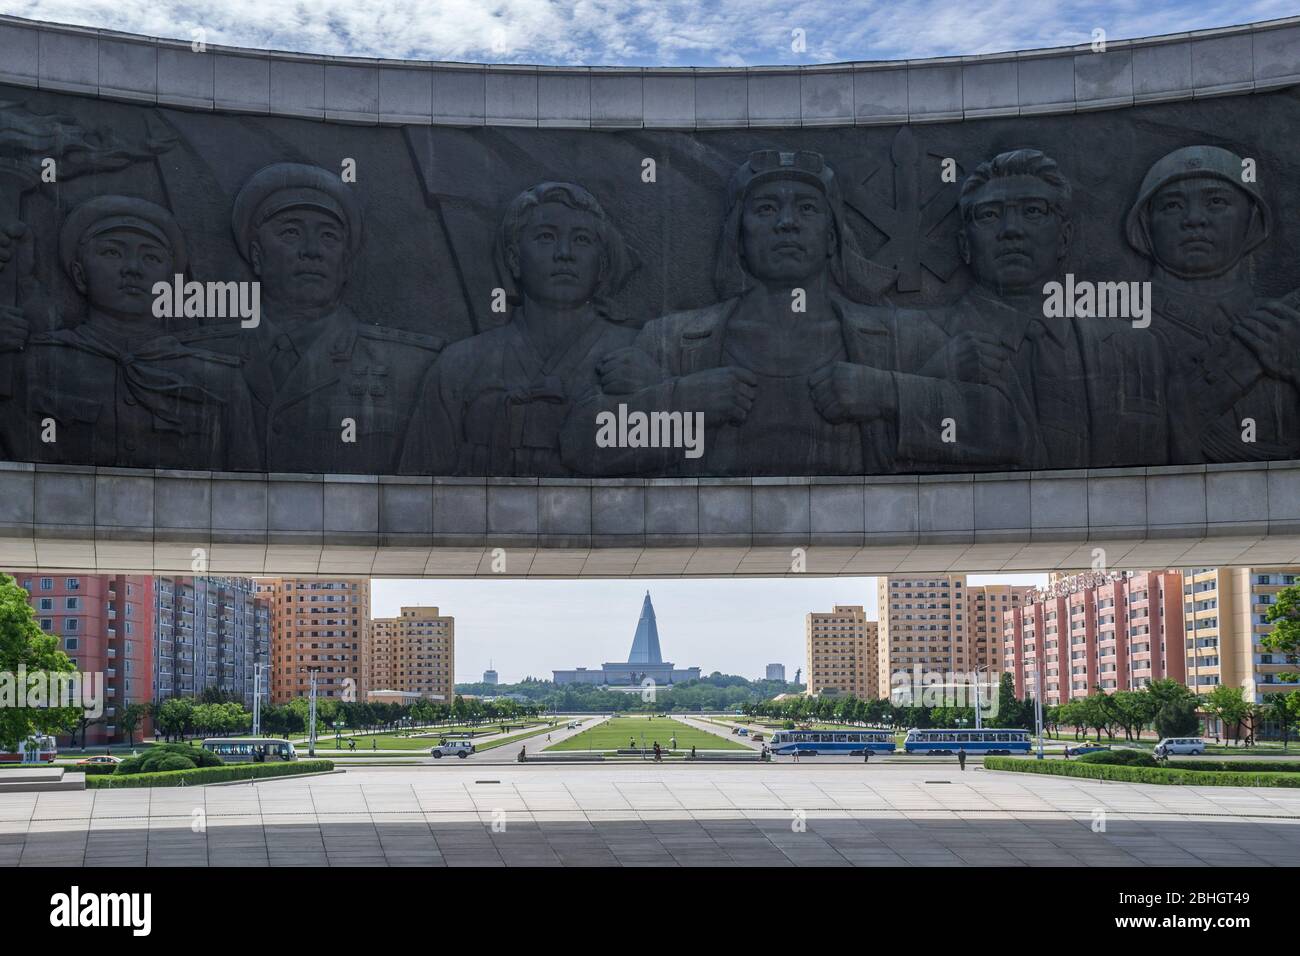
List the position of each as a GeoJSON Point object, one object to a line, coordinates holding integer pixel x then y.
{"type": "Point", "coordinates": [332, 393]}
{"type": "Point", "coordinates": [797, 352]}
{"type": "Point", "coordinates": [1232, 359]}
{"type": "Point", "coordinates": [1093, 387]}
{"type": "Point", "coordinates": [792, 371]}
{"type": "Point", "coordinates": [116, 389]}
{"type": "Point", "coordinates": [496, 403]}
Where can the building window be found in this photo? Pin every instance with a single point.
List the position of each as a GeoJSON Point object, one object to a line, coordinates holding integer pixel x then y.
{"type": "Point", "coordinates": [70, 643]}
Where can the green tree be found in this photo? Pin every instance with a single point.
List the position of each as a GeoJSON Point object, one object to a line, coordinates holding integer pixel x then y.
{"type": "Point", "coordinates": [1284, 615]}
{"type": "Point", "coordinates": [1229, 704]}
{"type": "Point", "coordinates": [1177, 718]}
{"type": "Point", "coordinates": [23, 645]}
{"type": "Point", "coordinates": [132, 716]}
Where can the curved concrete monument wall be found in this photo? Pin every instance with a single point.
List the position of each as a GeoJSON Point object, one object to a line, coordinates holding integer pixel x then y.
{"type": "Point", "coordinates": [982, 313]}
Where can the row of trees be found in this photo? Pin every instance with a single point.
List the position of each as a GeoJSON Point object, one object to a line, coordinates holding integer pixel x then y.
{"type": "Point", "coordinates": [1166, 706]}
{"type": "Point", "coordinates": [716, 692]}
{"type": "Point", "coordinates": [1173, 710]}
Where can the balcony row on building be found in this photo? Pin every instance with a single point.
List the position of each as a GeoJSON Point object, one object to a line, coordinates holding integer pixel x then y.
{"type": "Point", "coordinates": [1115, 631]}
{"type": "Point", "coordinates": [157, 637]}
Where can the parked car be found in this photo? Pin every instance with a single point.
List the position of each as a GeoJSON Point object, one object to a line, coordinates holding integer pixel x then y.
{"type": "Point", "coordinates": [744, 731]}
{"type": "Point", "coordinates": [101, 759]}
{"type": "Point", "coordinates": [460, 748]}
{"type": "Point", "coordinates": [757, 737]}
{"type": "Point", "coordinates": [1180, 746]}
{"type": "Point", "coordinates": [1083, 749]}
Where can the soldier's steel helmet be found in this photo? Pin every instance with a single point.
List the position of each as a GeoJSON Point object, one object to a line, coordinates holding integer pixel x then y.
{"type": "Point", "coordinates": [107, 213]}
{"type": "Point", "coordinates": [1188, 163]}
{"type": "Point", "coordinates": [282, 186]}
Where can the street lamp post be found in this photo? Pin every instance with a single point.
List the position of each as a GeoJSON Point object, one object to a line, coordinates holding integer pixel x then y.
{"type": "Point", "coordinates": [311, 713]}
{"type": "Point", "coordinates": [979, 721]}
{"type": "Point", "coordinates": [1038, 703]}
{"type": "Point", "coordinates": [257, 699]}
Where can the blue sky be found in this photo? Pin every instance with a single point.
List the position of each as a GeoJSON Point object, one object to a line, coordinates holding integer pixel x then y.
{"type": "Point", "coordinates": [650, 32]}
{"type": "Point", "coordinates": [534, 627]}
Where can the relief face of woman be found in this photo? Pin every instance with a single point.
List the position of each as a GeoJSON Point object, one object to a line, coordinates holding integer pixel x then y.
{"type": "Point", "coordinates": [558, 259]}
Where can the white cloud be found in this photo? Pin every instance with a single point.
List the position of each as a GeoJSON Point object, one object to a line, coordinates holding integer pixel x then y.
{"type": "Point", "coordinates": [648, 32]}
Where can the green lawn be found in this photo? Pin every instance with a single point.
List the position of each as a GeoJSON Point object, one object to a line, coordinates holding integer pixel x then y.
{"type": "Point", "coordinates": [614, 734]}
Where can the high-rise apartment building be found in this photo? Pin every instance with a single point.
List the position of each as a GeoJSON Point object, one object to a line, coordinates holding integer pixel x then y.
{"type": "Point", "coordinates": [1117, 631]}
{"type": "Point", "coordinates": [937, 622]}
{"type": "Point", "coordinates": [841, 651]}
{"type": "Point", "coordinates": [1224, 613]}
{"type": "Point", "coordinates": [321, 625]}
{"type": "Point", "coordinates": [105, 624]}
{"type": "Point", "coordinates": [212, 633]}
{"type": "Point", "coordinates": [415, 652]}
{"type": "Point", "coordinates": [776, 672]}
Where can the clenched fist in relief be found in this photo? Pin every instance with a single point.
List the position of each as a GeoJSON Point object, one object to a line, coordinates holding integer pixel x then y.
{"type": "Point", "coordinates": [722, 394]}
{"type": "Point", "coordinates": [845, 392]}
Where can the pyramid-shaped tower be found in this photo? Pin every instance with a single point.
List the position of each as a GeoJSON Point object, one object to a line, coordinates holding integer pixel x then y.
{"type": "Point", "coordinates": [645, 646]}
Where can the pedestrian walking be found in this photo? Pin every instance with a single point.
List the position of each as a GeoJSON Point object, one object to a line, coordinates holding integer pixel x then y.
{"type": "Point", "coordinates": [866, 755]}
{"type": "Point", "coordinates": [658, 753]}
{"type": "Point", "coordinates": [692, 751]}
{"type": "Point", "coordinates": [961, 757]}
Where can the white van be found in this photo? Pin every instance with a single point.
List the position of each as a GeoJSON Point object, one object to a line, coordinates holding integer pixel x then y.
{"type": "Point", "coordinates": [461, 748]}
{"type": "Point", "coordinates": [1177, 746]}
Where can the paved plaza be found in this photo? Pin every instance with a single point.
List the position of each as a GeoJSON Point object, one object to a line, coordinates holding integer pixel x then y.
{"type": "Point", "coordinates": [669, 815]}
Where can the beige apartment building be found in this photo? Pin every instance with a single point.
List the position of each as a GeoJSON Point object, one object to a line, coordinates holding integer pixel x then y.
{"type": "Point", "coordinates": [320, 624]}
{"type": "Point", "coordinates": [1223, 620]}
{"type": "Point", "coordinates": [414, 653]}
{"type": "Point", "coordinates": [841, 649]}
{"type": "Point", "coordinates": [936, 622]}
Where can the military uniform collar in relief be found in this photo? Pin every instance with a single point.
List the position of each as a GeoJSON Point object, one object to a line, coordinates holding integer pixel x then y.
{"type": "Point", "coordinates": [1197, 314]}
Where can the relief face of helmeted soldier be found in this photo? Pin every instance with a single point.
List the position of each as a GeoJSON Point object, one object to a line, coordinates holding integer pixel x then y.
{"type": "Point", "coordinates": [119, 389]}
{"type": "Point", "coordinates": [1094, 387]}
{"type": "Point", "coordinates": [1232, 358]}
{"type": "Point", "coordinates": [496, 403]}
{"type": "Point", "coordinates": [333, 393]}
{"type": "Point", "coordinates": [793, 372]}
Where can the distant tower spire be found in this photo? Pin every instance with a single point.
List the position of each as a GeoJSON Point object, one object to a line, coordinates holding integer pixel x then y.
{"type": "Point", "coordinates": [645, 645]}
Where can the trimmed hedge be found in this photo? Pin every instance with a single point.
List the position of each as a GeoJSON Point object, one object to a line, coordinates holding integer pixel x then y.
{"type": "Point", "coordinates": [1161, 775]}
{"type": "Point", "coordinates": [195, 778]}
{"type": "Point", "coordinates": [1238, 766]}
{"type": "Point", "coordinates": [1121, 758]}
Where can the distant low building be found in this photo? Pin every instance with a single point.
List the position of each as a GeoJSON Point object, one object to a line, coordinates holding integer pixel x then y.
{"type": "Point", "coordinates": [393, 696]}
{"type": "Point", "coordinates": [644, 665]}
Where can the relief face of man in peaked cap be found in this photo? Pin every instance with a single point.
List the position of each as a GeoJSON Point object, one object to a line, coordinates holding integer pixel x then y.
{"type": "Point", "coordinates": [120, 389]}
{"type": "Point", "coordinates": [1232, 358]}
{"type": "Point", "coordinates": [313, 366]}
{"type": "Point", "coordinates": [827, 386]}
{"type": "Point", "coordinates": [1094, 386]}
{"type": "Point", "coordinates": [496, 403]}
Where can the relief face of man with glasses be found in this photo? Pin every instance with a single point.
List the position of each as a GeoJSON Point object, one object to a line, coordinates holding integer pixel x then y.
{"type": "Point", "coordinates": [793, 371]}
